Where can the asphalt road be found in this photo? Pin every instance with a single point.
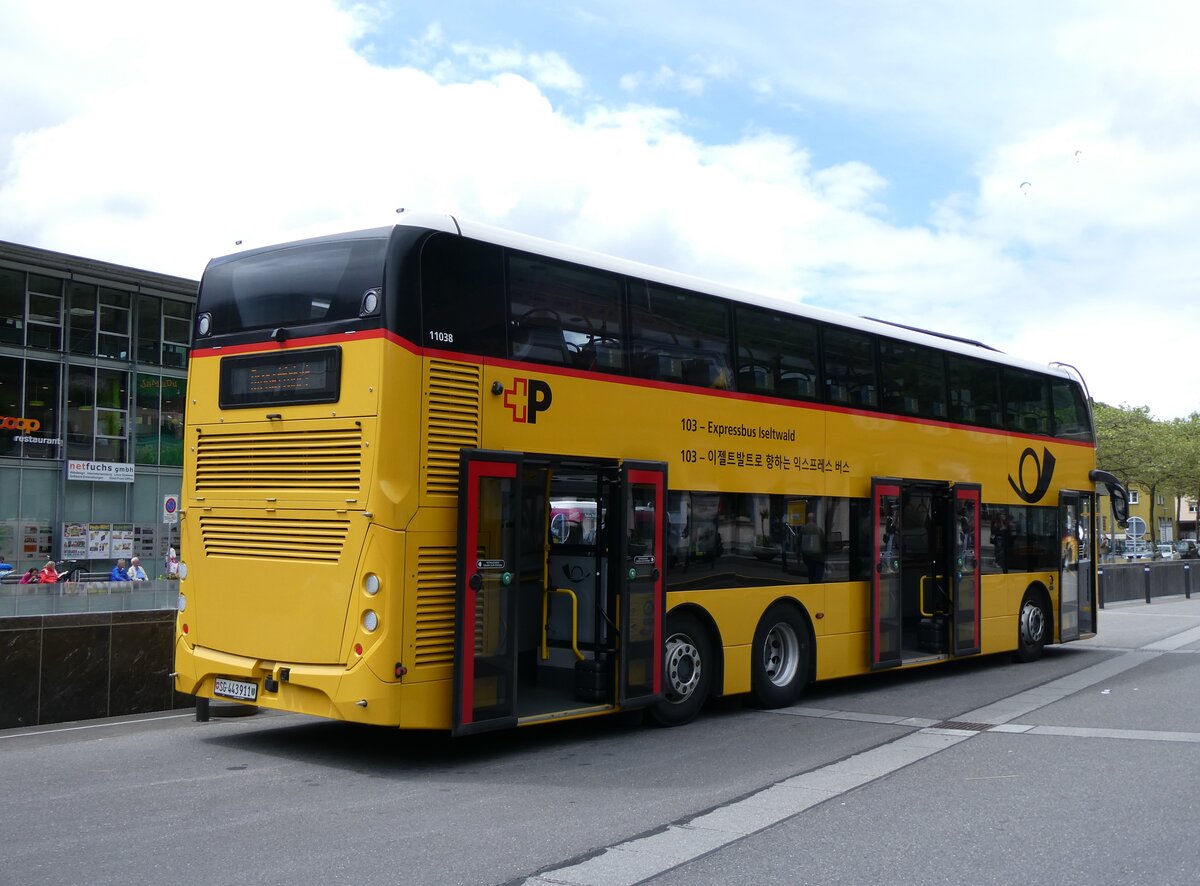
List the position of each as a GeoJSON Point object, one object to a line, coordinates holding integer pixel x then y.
{"type": "Point", "coordinates": [1081, 768]}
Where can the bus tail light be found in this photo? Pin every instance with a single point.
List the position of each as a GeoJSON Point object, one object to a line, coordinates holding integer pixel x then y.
{"type": "Point", "coordinates": [370, 620]}
{"type": "Point", "coordinates": [371, 584]}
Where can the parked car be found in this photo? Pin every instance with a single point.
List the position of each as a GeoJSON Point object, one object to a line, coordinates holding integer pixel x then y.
{"type": "Point", "coordinates": [1167, 552]}
{"type": "Point", "coordinates": [1187, 550]}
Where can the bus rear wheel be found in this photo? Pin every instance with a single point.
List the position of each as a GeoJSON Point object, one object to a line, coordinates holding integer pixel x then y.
{"type": "Point", "coordinates": [1033, 628]}
{"type": "Point", "coordinates": [779, 657]}
{"type": "Point", "coordinates": [688, 665]}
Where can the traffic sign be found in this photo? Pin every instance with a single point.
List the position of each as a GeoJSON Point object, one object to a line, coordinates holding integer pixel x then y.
{"type": "Point", "coordinates": [170, 509]}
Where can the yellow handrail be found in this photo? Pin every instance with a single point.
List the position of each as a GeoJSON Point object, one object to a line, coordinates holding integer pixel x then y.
{"type": "Point", "coordinates": [933, 578]}
{"type": "Point", "coordinates": [574, 620]}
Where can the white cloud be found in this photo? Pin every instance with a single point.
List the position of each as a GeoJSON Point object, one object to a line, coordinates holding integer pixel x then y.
{"type": "Point", "coordinates": [160, 145]}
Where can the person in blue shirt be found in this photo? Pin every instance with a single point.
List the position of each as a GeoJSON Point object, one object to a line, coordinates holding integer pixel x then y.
{"type": "Point", "coordinates": [118, 572]}
{"type": "Point", "coordinates": [5, 566]}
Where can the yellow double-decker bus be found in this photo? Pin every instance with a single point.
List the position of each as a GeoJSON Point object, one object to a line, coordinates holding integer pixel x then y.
{"type": "Point", "coordinates": [442, 476]}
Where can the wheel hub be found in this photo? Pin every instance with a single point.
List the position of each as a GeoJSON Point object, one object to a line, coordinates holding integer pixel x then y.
{"type": "Point", "coordinates": [683, 668]}
{"type": "Point", "coordinates": [1033, 623]}
{"type": "Point", "coordinates": [781, 654]}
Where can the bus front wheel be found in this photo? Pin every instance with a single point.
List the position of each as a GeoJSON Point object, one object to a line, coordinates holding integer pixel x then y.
{"type": "Point", "coordinates": [1033, 628]}
{"type": "Point", "coordinates": [687, 671]}
{"type": "Point", "coordinates": [779, 657]}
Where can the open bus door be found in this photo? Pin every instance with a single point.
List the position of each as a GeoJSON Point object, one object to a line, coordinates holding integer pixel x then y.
{"type": "Point", "coordinates": [1076, 594]}
{"type": "Point", "coordinates": [552, 625]}
{"type": "Point", "coordinates": [965, 570]}
{"type": "Point", "coordinates": [643, 541]}
{"type": "Point", "coordinates": [925, 582]}
{"type": "Point", "coordinates": [885, 573]}
{"type": "Point", "coordinates": [485, 655]}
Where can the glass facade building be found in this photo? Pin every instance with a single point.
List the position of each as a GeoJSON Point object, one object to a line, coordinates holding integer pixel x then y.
{"type": "Point", "coordinates": [93, 360]}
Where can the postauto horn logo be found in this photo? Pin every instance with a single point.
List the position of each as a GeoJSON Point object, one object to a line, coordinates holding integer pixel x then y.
{"type": "Point", "coordinates": [28, 425]}
{"type": "Point", "coordinates": [526, 398]}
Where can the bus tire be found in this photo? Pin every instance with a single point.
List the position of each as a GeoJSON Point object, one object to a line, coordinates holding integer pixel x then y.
{"type": "Point", "coordinates": [688, 665]}
{"type": "Point", "coordinates": [779, 658]}
{"type": "Point", "coordinates": [1033, 627]}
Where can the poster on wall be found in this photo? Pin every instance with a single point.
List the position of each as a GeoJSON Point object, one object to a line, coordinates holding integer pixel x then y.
{"type": "Point", "coordinates": [8, 546]}
{"type": "Point", "coordinates": [37, 540]}
{"type": "Point", "coordinates": [99, 542]}
{"type": "Point", "coordinates": [74, 541]}
{"type": "Point", "coordinates": [145, 543]}
{"type": "Point", "coordinates": [121, 540]}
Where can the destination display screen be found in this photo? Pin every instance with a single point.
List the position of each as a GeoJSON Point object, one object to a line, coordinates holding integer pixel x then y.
{"type": "Point", "coordinates": [309, 376]}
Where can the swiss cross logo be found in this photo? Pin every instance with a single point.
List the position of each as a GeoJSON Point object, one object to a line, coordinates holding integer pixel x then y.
{"type": "Point", "coordinates": [526, 398]}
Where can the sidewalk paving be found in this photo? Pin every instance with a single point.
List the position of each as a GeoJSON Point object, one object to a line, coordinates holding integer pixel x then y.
{"type": "Point", "coordinates": [1167, 623]}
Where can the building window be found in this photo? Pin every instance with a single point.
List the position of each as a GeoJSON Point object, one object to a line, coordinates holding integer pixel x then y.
{"type": "Point", "coordinates": [149, 329]}
{"type": "Point", "coordinates": [44, 313]}
{"type": "Point", "coordinates": [177, 333]}
{"type": "Point", "coordinates": [97, 411]}
{"type": "Point", "coordinates": [10, 403]}
{"type": "Point", "coordinates": [171, 421]}
{"type": "Point", "coordinates": [112, 399]}
{"type": "Point", "coordinates": [1133, 496]}
{"type": "Point", "coordinates": [158, 428]}
{"type": "Point", "coordinates": [81, 309]}
{"type": "Point", "coordinates": [113, 341]}
{"type": "Point", "coordinates": [12, 307]}
{"type": "Point", "coordinates": [42, 382]}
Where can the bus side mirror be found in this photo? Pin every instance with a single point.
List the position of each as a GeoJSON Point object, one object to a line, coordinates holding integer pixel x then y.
{"type": "Point", "coordinates": [1120, 504]}
{"type": "Point", "coordinates": [1117, 493]}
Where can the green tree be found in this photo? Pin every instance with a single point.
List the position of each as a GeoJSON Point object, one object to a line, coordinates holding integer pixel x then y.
{"type": "Point", "coordinates": [1186, 433]}
{"type": "Point", "coordinates": [1140, 451]}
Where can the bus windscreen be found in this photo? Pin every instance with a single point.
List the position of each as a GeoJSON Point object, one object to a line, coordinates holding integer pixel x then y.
{"type": "Point", "coordinates": [293, 286]}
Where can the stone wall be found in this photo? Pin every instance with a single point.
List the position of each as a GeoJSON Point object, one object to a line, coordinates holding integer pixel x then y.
{"type": "Point", "coordinates": [59, 668]}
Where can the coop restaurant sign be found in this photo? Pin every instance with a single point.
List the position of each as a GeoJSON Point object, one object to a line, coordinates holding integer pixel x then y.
{"type": "Point", "coordinates": [25, 428]}
{"type": "Point", "coordinates": [104, 471]}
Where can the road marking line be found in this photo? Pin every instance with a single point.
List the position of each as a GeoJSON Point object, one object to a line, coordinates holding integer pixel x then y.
{"type": "Point", "coordinates": [636, 860]}
{"type": "Point", "coordinates": [1175, 642]}
{"type": "Point", "coordinates": [98, 725]}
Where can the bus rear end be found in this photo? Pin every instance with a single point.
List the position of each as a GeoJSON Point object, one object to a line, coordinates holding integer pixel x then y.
{"type": "Point", "coordinates": [295, 497]}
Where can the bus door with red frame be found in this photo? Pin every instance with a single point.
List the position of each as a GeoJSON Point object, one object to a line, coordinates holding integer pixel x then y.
{"type": "Point", "coordinates": [485, 653]}
{"type": "Point", "coordinates": [925, 576]}
{"type": "Point", "coordinates": [640, 582]}
{"type": "Point", "coordinates": [494, 599]}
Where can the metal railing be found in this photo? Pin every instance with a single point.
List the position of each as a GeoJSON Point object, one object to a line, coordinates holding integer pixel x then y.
{"type": "Point", "coordinates": [86, 596]}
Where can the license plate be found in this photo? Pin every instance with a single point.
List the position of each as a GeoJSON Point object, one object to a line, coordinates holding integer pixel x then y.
{"type": "Point", "coordinates": [242, 690]}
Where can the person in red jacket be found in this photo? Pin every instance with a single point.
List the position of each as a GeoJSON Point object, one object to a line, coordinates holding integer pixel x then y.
{"type": "Point", "coordinates": [49, 574]}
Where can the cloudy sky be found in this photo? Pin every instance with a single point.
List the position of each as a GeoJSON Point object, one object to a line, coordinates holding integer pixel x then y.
{"type": "Point", "coordinates": [1026, 174]}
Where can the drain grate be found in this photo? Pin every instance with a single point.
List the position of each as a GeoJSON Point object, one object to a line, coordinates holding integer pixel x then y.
{"type": "Point", "coordinates": [959, 724]}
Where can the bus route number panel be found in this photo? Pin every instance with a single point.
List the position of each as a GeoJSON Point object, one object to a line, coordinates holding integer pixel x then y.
{"type": "Point", "coordinates": [242, 690]}
{"type": "Point", "coordinates": [308, 376]}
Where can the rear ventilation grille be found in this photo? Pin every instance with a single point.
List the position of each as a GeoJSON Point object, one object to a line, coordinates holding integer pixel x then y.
{"type": "Point", "coordinates": [435, 607]}
{"type": "Point", "coordinates": [284, 539]}
{"type": "Point", "coordinates": [327, 460]}
{"type": "Point", "coordinates": [452, 423]}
